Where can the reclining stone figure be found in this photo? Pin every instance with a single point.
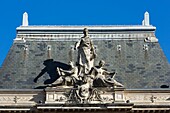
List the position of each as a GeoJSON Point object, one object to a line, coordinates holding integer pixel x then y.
{"type": "Point", "coordinates": [103, 78]}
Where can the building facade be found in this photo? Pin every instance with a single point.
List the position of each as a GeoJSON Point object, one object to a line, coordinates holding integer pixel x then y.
{"type": "Point", "coordinates": [132, 51]}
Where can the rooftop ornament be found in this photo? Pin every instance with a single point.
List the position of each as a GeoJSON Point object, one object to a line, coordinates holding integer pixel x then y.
{"type": "Point", "coordinates": [25, 19]}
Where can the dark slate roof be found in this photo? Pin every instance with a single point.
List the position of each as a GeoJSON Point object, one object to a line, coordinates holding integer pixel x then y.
{"type": "Point", "coordinates": [136, 68]}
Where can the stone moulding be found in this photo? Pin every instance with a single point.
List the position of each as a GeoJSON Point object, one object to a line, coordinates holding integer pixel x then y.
{"type": "Point", "coordinates": [45, 100]}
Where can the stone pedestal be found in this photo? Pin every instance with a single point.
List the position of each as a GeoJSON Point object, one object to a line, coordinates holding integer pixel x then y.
{"type": "Point", "coordinates": [119, 95]}
{"type": "Point", "coordinates": [60, 95]}
{"type": "Point", "coordinates": [57, 95]}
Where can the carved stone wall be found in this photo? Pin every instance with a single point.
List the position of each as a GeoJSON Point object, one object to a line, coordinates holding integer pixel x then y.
{"type": "Point", "coordinates": [53, 100]}
{"type": "Point", "coordinates": [152, 97]}
{"type": "Point", "coordinates": [21, 98]}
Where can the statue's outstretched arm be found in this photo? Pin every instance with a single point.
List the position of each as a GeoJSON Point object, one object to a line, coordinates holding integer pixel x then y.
{"type": "Point", "coordinates": [67, 71]}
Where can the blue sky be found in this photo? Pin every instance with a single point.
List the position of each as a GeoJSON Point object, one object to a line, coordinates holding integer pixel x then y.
{"type": "Point", "coordinates": [83, 12]}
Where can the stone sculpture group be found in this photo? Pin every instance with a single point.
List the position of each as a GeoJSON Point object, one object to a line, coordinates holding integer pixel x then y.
{"type": "Point", "coordinates": [85, 78]}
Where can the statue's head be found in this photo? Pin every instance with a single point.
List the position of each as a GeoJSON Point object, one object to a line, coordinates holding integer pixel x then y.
{"type": "Point", "coordinates": [101, 63]}
{"type": "Point", "coordinates": [85, 31]}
